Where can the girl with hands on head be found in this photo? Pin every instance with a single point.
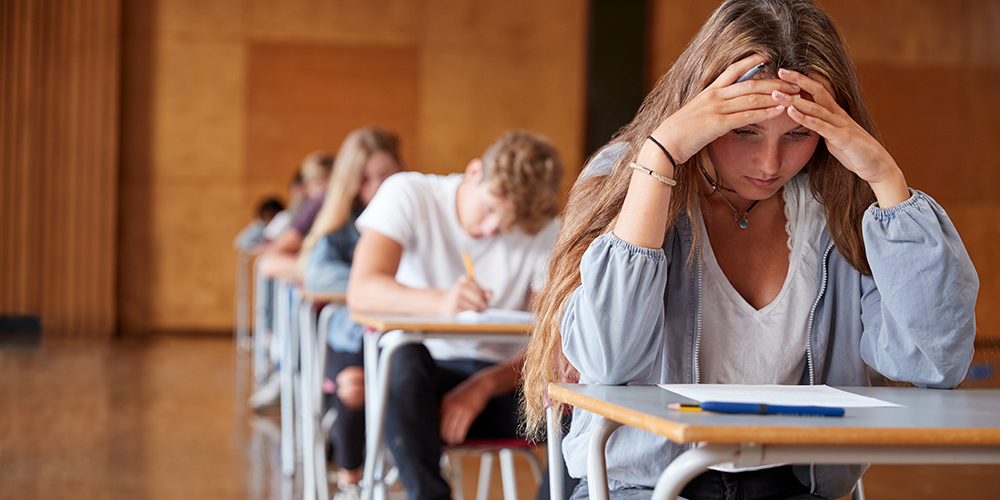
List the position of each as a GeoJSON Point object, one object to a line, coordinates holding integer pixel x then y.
{"type": "Point", "coordinates": [748, 227]}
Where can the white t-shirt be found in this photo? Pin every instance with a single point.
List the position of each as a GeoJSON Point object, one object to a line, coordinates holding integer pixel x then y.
{"type": "Point", "coordinates": [419, 212]}
{"type": "Point", "coordinates": [743, 345]}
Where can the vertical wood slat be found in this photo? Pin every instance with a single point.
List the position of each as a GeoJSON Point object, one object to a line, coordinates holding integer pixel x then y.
{"type": "Point", "coordinates": [59, 170]}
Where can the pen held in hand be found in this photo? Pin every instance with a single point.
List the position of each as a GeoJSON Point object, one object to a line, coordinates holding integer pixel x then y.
{"type": "Point", "coordinates": [760, 409]}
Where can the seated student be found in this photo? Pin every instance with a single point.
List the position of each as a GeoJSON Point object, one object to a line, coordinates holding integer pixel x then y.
{"type": "Point", "coordinates": [284, 218]}
{"type": "Point", "coordinates": [366, 158]}
{"type": "Point", "coordinates": [502, 211]}
{"type": "Point", "coordinates": [789, 251]}
{"type": "Point", "coordinates": [280, 256]}
{"type": "Point", "coordinates": [253, 235]}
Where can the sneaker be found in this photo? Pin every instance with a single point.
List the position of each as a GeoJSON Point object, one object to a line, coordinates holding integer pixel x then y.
{"type": "Point", "coordinates": [347, 492]}
{"type": "Point", "coordinates": [269, 394]}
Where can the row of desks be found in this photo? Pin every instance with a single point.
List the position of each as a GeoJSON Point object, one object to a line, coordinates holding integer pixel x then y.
{"type": "Point", "coordinates": [932, 426]}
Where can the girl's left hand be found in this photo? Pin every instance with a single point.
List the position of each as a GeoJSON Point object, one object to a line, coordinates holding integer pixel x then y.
{"type": "Point", "coordinates": [847, 141]}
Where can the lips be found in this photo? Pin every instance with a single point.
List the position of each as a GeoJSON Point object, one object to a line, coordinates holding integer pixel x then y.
{"type": "Point", "coordinates": [762, 182]}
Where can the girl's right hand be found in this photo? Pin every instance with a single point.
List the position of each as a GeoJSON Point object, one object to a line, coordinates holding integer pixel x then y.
{"type": "Point", "coordinates": [465, 295]}
{"type": "Point", "coordinates": [723, 106]}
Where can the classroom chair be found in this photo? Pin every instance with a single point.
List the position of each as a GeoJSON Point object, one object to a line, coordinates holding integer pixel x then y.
{"type": "Point", "coordinates": [486, 449]}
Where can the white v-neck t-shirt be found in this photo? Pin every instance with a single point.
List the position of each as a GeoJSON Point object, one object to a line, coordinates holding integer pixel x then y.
{"type": "Point", "coordinates": [743, 345]}
{"type": "Point", "coordinates": [419, 212]}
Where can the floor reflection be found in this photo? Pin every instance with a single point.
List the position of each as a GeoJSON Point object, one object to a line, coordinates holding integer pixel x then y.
{"type": "Point", "coordinates": [165, 417]}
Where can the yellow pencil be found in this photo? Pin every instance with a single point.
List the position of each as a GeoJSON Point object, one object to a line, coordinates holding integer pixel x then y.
{"type": "Point", "coordinates": [468, 266]}
{"type": "Point", "coordinates": [684, 407]}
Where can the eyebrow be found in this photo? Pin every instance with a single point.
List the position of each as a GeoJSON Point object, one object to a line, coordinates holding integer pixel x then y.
{"type": "Point", "coordinates": [757, 127]}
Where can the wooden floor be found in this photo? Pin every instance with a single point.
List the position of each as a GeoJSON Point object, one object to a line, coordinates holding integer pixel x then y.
{"type": "Point", "coordinates": [165, 418]}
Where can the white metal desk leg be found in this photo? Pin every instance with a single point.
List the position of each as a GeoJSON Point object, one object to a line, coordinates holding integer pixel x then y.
{"type": "Point", "coordinates": [261, 284]}
{"type": "Point", "coordinates": [597, 469]}
{"type": "Point", "coordinates": [319, 370]}
{"type": "Point", "coordinates": [376, 430]}
{"type": "Point", "coordinates": [858, 493]}
{"type": "Point", "coordinates": [286, 372]}
{"type": "Point", "coordinates": [307, 417]}
{"type": "Point", "coordinates": [689, 464]}
{"type": "Point", "coordinates": [372, 457]}
{"type": "Point", "coordinates": [554, 449]}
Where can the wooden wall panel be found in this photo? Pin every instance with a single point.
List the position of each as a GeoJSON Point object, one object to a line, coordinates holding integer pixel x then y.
{"type": "Point", "coordinates": [929, 70]}
{"type": "Point", "coordinates": [491, 66]}
{"type": "Point", "coordinates": [304, 97]}
{"type": "Point", "coordinates": [356, 22]}
{"type": "Point", "coordinates": [59, 137]}
{"type": "Point", "coordinates": [221, 100]}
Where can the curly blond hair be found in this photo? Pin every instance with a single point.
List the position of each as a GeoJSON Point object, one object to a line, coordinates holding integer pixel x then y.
{"type": "Point", "coordinates": [526, 170]}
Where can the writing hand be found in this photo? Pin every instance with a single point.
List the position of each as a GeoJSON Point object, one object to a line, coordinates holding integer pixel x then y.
{"type": "Point", "coordinates": [465, 295]}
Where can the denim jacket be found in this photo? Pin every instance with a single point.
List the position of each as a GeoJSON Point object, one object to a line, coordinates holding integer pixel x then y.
{"type": "Point", "coordinates": [635, 319]}
{"type": "Point", "coordinates": [327, 270]}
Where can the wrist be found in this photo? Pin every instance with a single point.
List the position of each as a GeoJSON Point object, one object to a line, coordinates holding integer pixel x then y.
{"type": "Point", "coordinates": [652, 158]}
{"type": "Point", "coordinates": [890, 188]}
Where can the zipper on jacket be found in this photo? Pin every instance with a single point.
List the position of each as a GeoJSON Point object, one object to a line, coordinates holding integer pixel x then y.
{"type": "Point", "coordinates": [812, 315]}
{"type": "Point", "coordinates": [697, 323]}
{"type": "Point", "coordinates": [809, 355]}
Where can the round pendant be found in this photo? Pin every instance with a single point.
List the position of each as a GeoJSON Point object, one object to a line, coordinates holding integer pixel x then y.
{"type": "Point", "coordinates": [744, 224]}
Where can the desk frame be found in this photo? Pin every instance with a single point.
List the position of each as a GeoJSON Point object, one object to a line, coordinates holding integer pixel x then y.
{"type": "Point", "coordinates": [411, 329]}
{"type": "Point", "coordinates": [953, 445]}
{"type": "Point", "coordinates": [313, 359]}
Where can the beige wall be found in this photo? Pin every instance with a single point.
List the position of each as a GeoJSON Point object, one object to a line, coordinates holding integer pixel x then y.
{"type": "Point", "coordinates": [930, 71]}
{"type": "Point", "coordinates": [222, 99]}
{"type": "Point", "coordinates": [59, 67]}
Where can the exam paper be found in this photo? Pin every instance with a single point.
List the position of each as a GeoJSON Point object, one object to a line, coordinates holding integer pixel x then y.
{"type": "Point", "coordinates": [495, 316]}
{"type": "Point", "coordinates": [792, 395]}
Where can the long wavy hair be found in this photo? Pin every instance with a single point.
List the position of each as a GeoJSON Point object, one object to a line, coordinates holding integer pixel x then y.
{"type": "Point", "coordinates": [793, 34]}
{"type": "Point", "coordinates": [345, 182]}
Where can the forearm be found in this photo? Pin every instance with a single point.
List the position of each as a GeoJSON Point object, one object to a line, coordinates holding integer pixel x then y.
{"type": "Point", "coordinates": [382, 293]}
{"type": "Point", "coordinates": [920, 322]}
{"type": "Point", "coordinates": [643, 218]}
{"type": "Point", "coordinates": [501, 378]}
{"type": "Point", "coordinates": [289, 242]}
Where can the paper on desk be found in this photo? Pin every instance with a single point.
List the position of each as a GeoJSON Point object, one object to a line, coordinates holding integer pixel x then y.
{"type": "Point", "coordinates": [793, 395]}
{"type": "Point", "coordinates": [492, 315]}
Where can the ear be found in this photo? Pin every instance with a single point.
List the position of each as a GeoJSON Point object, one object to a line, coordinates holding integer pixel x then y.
{"type": "Point", "coordinates": [474, 170]}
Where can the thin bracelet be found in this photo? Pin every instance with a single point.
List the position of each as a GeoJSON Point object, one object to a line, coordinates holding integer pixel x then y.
{"type": "Point", "coordinates": [660, 177]}
{"type": "Point", "coordinates": [671, 158]}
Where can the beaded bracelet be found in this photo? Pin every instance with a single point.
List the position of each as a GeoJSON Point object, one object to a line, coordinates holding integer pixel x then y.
{"type": "Point", "coordinates": [671, 158]}
{"type": "Point", "coordinates": [666, 180]}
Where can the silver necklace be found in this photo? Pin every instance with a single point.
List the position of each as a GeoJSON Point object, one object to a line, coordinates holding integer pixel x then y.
{"type": "Point", "coordinates": [740, 218]}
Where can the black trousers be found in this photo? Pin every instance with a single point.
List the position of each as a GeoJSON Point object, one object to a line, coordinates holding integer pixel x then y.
{"type": "Point", "coordinates": [413, 418]}
{"type": "Point", "coordinates": [348, 432]}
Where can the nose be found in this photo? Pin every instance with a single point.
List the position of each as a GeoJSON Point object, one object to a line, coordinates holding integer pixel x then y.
{"type": "Point", "coordinates": [490, 226]}
{"type": "Point", "coordinates": [769, 162]}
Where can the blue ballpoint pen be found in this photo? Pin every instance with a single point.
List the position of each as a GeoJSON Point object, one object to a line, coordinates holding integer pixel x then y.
{"type": "Point", "coordinates": [763, 409]}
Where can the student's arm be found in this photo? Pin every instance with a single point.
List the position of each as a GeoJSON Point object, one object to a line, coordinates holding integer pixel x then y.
{"type": "Point", "coordinates": [919, 304]}
{"type": "Point", "coordinates": [720, 108]}
{"type": "Point", "coordinates": [289, 242]}
{"type": "Point", "coordinates": [373, 286]}
{"type": "Point", "coordinates": [461, 405]}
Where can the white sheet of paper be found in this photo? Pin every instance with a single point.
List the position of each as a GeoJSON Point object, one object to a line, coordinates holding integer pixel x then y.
{"type": "Point", "coordinates": [495, 316]}
{"type": "Point", "coordinates": [794, 395]}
